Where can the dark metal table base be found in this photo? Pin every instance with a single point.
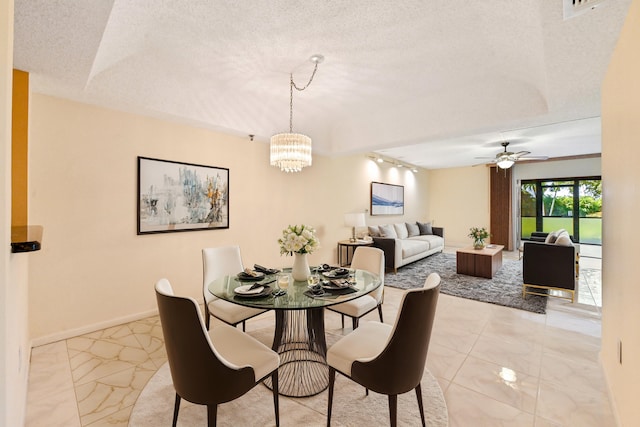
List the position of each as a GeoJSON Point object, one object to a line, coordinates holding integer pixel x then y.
{"type": "Point", "coordinates": [300, 341]}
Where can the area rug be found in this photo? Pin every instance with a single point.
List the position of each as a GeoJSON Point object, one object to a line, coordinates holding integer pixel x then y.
{"type": "Point", "coordinates": [351, 406]}
{"type": "Point", "coordinates": [504, 289]}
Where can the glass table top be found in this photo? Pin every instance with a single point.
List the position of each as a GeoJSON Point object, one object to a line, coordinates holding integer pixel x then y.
{"type": "Point", "coordinates": [298, 296]}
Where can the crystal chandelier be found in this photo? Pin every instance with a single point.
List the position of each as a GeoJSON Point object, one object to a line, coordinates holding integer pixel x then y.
{"type": "Point", "coordinates": [292, 151]}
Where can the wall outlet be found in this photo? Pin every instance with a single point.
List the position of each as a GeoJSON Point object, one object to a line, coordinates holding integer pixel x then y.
{"type": "Point", "coordinates": [620, 351]}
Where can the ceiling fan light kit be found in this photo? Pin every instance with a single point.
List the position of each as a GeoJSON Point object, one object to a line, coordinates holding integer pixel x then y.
{"type": "Point", "coordinates": [292, 151]}
{"type": "Point", "coordinates": [506, 159]}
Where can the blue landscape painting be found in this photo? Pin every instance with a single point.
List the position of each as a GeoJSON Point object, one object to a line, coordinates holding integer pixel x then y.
{"type": "Point", "coordinates": [387, 199]}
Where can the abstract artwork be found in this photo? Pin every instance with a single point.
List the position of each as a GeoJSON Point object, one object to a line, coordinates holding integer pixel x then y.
{"type": "Point", "coordinates": [387, 199]}
{"type": "Point", "coordinates": [175, 196]}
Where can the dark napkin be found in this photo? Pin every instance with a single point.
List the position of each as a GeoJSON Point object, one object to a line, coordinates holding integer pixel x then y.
{"type": "Point", "coordinates": [265, 270]}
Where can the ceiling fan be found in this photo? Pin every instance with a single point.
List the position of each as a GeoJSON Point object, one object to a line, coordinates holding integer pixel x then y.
{"type": "Point", "coordinates": [506, 159]}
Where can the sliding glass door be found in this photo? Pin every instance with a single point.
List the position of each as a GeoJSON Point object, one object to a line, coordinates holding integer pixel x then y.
{"type": "Point", "coordinates": [574, 204]}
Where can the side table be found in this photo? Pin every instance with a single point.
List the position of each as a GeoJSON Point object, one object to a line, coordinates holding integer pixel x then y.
{"type": "Point", "coordinates": [346, 246]}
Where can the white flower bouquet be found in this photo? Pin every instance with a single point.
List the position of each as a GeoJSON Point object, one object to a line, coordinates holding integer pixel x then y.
{"type": "Point", "coordinates": [299, 239]}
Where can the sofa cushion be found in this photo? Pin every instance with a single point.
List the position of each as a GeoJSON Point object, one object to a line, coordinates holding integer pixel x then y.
{"type": "Point", "coordinates": [411, 247]}
{"type": "Point", "coordinates": [401, 230]}
{"type": "Point", "coordinates": [374, 231]}
{"type": "Point", "coordinates": [434, 240]}
{"type": "Point", "coordinates": [388, 230]}
{"type": "Point", "coordinates": [412, 230]}
{"type": "Point", "coordinates": [564, 240]}
{"type": "Point", "coordinates": [425, 228]}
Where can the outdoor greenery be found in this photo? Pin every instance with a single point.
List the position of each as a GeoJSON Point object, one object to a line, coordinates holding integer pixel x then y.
{"type": "Point", "coordinates": [558, 207]}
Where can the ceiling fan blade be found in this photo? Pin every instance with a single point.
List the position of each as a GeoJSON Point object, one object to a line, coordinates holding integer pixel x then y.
{"type": "Point", "coordinates": [488, 158]}
{"type": "Point", "coordinates": [483, 164]}
{"type": "Point", "coordinates": [534, 158]}
{"type": "Point", "coordinates": [521, 153]}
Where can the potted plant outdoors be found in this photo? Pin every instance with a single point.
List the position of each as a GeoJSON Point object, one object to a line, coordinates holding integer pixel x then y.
{"type": "Point", "coordinates": [478, 235]}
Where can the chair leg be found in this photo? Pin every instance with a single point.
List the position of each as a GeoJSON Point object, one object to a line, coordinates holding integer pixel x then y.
{"type": "Point", "coordinates": [276, 405]}
{"type": "Point", "coordinates": [212, 415]}
{"type": "Point", "coordinates": [342, 317]}
{"type": "Point", "coordinates": [244, 326]}
{"type": "Point", "coordinates": [207, 316]}
{"type": "Point", "coordinates": [420, 406]}
{"type": "Point", "coordinates": [355, 322]}
{"type": "Point", "coordinates": [176, 408]}
{"type": "Point", "coordinates": [380, 313]}
{"type": "Point", "coordinates": [332, 380]}
{"type": "Point", "coordinates": [393, 410]}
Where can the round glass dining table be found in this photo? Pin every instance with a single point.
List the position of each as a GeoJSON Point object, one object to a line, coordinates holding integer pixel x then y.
{"type": "Point", "coordinates": [299, 336]}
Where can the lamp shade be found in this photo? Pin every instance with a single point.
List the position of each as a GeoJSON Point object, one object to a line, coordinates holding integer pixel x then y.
{"type": "Point", "coordinates": [354, 220]}
{"type": "Point", "coordinates": [505, 163]}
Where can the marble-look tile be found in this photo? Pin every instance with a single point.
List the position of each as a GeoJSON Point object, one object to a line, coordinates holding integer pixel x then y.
{"type": "Point", "coordinates": [98, 354]}
{"type": "Point", "coordinates": [470, 408]}
{"type": "Point", "coordinates": [500, 383]}
{"type": "Point", "coordinates": [110, 394]}
{"type": "Point", "coordinates": [579, 375]}
{"type": "Point", "coordinates": [543, 422]}
{"type": "Point", "coordinates": [57, 409]}
{"type": "Point", "coordinates": [49, 371]}
{"type": "Point", "coordinates": [521, 355]}
{"type": "Point", "coordinates": [444, 362]}
{"type": "Point", "coordinates": [451, 337]}
{"type": "Point", "coordinates": [571, 406]}
{"type": "Point", "coordinates": [572, 345]}
{"type": "Point", "coordinates": [117, 419]}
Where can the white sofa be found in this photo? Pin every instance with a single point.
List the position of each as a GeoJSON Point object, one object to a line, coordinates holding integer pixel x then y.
{"type": "Point", "coordinates": [404, 243]}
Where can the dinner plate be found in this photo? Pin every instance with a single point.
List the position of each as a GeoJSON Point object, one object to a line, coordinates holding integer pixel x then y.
{"type": "Point", "coordinates": [246, 290]}
{"type": "Point", "coordinates": [333, 274]}
{"type": "Point", "coordinates": [248, 278]}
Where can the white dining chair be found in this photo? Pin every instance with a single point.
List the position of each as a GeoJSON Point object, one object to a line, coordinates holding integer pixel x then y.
{"type": "Point", "coordinates": [372, 260]}
{"type": "Point", "coordinates": [218, 262]}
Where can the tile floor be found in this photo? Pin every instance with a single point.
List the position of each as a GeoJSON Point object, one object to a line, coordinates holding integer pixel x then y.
{"type": "Point", "coordinates": [497, 366]}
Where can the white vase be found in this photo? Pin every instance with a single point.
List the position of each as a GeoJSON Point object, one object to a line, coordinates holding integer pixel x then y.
{"type": "Point", "coordinates": [300, 270]}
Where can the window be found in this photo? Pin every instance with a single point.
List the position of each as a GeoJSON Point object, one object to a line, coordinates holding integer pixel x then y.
{"type": "Point", "coordinates": [574, 204]}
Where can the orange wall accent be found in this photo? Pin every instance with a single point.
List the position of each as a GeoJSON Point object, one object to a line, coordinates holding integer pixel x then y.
{"type": "Point", "coordinates": [20, 149]}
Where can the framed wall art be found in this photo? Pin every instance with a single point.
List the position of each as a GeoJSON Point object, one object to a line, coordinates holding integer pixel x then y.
{"type": "Point", "coordinates": [175, 196]}
{"type": "Point", "coordinates": [387, 199]}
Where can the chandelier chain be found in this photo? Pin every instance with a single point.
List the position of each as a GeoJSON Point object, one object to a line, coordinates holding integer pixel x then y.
{"type": "Point", "coordinates": [300, 89]}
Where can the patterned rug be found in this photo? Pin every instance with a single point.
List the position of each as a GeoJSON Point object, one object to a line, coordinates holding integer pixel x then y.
{"type": "Point", "coordinates": [504, 289]}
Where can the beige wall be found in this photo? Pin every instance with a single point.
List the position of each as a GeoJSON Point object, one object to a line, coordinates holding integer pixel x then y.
{"type": "Point", "coordinates": [459, 200]}
{"type": "Point", "coordinates": [94, 270]}
{"type": "Point", "coordinates": [621, 206]}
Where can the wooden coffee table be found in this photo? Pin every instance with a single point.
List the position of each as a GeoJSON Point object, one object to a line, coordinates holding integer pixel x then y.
{"type": "Point", "coordinates": [479, 262]}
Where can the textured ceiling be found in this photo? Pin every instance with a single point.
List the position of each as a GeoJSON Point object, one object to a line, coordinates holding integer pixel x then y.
{"type": "Point", "coordinates": [434, 83]}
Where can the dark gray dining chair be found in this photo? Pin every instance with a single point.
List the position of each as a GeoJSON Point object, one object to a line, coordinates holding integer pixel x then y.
{"type": "Point", "coordinates": [389, 359]}
{"type": "Point", "coordinates": [218, 262]}
{"type": "Point", "coordinates": [209, 368]}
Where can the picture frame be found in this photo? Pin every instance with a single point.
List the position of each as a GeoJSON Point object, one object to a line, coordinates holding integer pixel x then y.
{"type": "Point", "coordinates": [387, 199]}
{"type": "Point", "coordinates": [176, 196]}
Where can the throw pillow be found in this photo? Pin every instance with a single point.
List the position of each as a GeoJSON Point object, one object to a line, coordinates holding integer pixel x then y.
{"type": "Point", "coordinates": [425, 228]}
{"type": "Point", "coordinates": [401, 230]}
{"type": "Point", "coordinates": [388, 231]}
{"type": "Point", "coordinates": [374, 231]}
{"type": "Point", "coordinates": [564, 240]}
{"type": "Point", "coordinates": [551, 237]}
{"type": "Point", "coordinates": [412, 229]}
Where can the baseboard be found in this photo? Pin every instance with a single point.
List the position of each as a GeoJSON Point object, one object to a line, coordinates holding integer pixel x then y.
{"type": "Point", "coordinates": [70, 333]}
